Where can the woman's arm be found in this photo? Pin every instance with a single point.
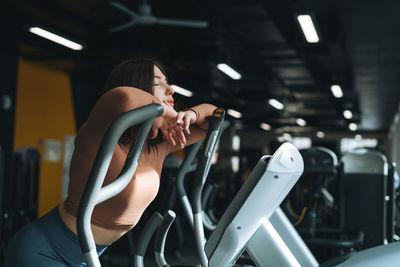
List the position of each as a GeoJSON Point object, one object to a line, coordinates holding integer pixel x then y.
{"type": "Point", "coordinates": [194, 123]}
{"type": "Point", "coordinates": [111, 105]}
{"type": "Point", "coordinates": [203, 112]}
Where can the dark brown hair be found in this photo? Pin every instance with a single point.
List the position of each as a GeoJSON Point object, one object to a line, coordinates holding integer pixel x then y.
{"type": "Point", "coordinates": [138, 73]}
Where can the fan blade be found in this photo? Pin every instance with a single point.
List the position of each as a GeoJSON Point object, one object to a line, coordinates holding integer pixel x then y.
{"type": "Point", "coordinates": [123, 8]}
{"type": "Point", "coordinates": [182, 23]}
{"type": "Point", "coordinates": [122, 27]}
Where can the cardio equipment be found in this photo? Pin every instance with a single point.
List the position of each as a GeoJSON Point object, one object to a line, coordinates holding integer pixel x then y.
{"type": "Point", "coordinates": [94, 193]}
{"type": "Point", "coordinates": [369, 196]}
{"type": "Point", "coordinates": [368, 184]}
{"type": "Point", "coordinates": [19, 193]}
{"type": "Point", "coordinates": [245, 225]}
{"type": "Point", "coordinates": [315, 206]}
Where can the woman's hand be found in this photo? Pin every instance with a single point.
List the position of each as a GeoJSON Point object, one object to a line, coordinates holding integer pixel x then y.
{"type": "Point", "coordinates": [174, 129]}
{"type": "Point", "coordinates": [168, 114]}
{"type": "Point", "coordinates": [186, 118]}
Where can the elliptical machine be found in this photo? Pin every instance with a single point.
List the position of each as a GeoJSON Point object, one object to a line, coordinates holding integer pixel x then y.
{"type": "Point", "coordinates": [245, 225]}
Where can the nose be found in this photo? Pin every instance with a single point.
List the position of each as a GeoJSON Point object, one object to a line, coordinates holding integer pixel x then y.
{"type": "Point", "coordinates": [170, 90]}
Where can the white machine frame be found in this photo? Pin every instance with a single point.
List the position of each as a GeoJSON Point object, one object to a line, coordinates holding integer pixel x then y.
{"type": "Point", "coordinates": [246, 224]}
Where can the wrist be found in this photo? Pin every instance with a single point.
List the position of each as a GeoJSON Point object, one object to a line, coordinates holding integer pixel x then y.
{"type": "Point", "coordinates": [195, 113]}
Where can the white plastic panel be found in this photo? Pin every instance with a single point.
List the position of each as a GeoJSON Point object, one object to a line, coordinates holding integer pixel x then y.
{"type": "Point", "coordinates": [263, 191]}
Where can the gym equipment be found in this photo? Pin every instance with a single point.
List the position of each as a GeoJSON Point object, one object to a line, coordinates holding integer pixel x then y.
{"type": "Point", "coordinates": [368, 182]}
{"type": "Point", "coordinates": [145, 237]}
{"type": "Point", "coordinates": [245, 224]}
{"type": "Point", "coordinates": [317, 198]}
{"type": "Point", "coordinates": [20, 193]}
{"type": "Point", "coordinates": [263, 191]}
{"type": "Point", "coordinates": [365, 185]}
{"type": "Point", "coordinates": [94, 193]}
{"type": "Point", "coordinates": [2, 183]}
{"type": "Point", "coordinates": [218, 126]}
{"type": "Point", "coordinates": [383, 255]}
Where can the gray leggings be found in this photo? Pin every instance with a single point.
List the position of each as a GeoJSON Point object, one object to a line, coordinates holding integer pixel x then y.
{"type": "Point", "coordinates": [46, 242]}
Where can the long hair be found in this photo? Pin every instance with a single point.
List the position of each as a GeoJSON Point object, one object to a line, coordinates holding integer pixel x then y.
{"type": "Point", "coordinates": [138, 73]}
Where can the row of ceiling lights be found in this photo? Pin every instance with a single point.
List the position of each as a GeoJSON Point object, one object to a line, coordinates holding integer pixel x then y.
{"type": "Point", "coordinates": [309, 31]}
{"type": "Point", "coordinates": [179, 90]}
{"type": "Point", "coordinates": [311, 35]}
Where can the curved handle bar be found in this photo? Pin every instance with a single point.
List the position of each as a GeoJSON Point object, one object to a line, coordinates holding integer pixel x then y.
{"type": "Point", "coordinates": [161, 237]}
{"type": "Point", "coordinates": [94, 193]}
{"type": "Point", "coordinates": [144, 238]}
{"type": "Point", "coordinates": [205, 156]}
{"type": "Point", "coordinates": [180, 178]}
{"type": "Point", "coordinates": [203, 167]}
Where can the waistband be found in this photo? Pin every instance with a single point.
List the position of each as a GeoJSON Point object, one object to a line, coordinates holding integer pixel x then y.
{"type": "Point", "coordinates": [61, 238]}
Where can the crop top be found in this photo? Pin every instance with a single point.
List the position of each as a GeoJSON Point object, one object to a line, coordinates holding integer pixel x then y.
{"type": "Point", "coordinates": [125, 209]}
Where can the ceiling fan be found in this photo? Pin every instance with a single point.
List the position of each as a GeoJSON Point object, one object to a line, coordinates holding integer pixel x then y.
{"type": "Point", "coordinates": [144, 17]}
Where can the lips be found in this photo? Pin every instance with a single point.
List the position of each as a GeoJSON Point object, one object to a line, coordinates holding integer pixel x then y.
{"type": "Point", "coordinates": [171, 103]}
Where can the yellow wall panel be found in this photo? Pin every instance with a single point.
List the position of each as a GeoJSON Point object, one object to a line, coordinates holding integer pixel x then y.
{"type": "Point", "coordinates": [44, 111]}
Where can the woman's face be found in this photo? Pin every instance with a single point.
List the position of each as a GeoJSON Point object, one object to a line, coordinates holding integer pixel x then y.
{"type": "Point", "coordinates": [161, 88]}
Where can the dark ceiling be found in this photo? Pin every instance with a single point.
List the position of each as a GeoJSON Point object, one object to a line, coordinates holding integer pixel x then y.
{"type": "Point", "coordinates": [359, 50]}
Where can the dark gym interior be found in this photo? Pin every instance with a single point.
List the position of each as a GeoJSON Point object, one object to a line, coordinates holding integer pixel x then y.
{"type": "Point", "coordinates": [334, 96]}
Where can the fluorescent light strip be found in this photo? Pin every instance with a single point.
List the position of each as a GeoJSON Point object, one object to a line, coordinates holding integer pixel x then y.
{"type": "Point", "coordinates": [308, 28]}
{"type": "Point", "coordinates": [353, 126]}
{"type": "Point", "coordinates": [229, 71]}
{"type": "Point", "coordinates": [55, 38]}
{"type": "Point", "coordinates": [181, 91]}
{"type": "Point", "coordinates": [265, 126]}
{"type": "Point", "coordinates": [320, 134]}
{"type": "Point", "coordinates": [301, 122]}
{"type": "Point", "coordinates": [236, 143]}
{"type": "Point", "coordinates": [276, 104]}
{"type": "Point", "coordinates": [337, 91]}
{"type": "Point", "coordinates": [234, 113]}
{"type": "Point", "coordinates": [348, 114]}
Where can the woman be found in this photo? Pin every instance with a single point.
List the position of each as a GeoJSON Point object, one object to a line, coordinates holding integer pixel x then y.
{"type": "Point", "coordinates": [52, 240]}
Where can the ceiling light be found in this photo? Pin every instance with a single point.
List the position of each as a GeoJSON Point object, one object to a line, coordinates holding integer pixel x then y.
{"type": "Point", "coordinates": [348, 114]}
{"type": "Point", "coordinates": [308, 28]}
{"type": "Point", "coordinates": [265, 126]}
{"type": "Point", "coordinates": [229, 71]}
{"type": "Point", "coordinates": [276, 104]}
{"type": "Point", "coordinates": [55, 38]}
{"type": "Point", "coordinates": [234, 113]}
{"type": "Point", "coordinates": [181, 91]}
{"type": "Point", "coordinates": [320, 134]}
{"type": "Point", "coordinates": [353, 126]}
{"type": "Point", "coordinates": [337, 91]}
{"type": "Point", "coordinates": [236, 143]}
{"type": "Point", "coordinates": [301, 122]}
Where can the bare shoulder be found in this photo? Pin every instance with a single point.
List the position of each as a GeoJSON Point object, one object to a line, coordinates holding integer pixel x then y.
{"type": "Point", "coordinates": [126, 93]}
{"type": "Point", "coordinates": [124, 98]}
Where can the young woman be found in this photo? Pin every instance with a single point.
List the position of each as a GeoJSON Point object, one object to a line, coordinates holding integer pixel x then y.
{"type": "Point", "coordinates": [52, 239]}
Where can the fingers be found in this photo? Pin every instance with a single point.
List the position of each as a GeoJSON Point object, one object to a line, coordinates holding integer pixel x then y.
{"type": "Point", "coordinates": [186, 123]}
{"type": "Point", "coordinates": [168, 136]}
{"type": "Point", "coordinates": [178, 136]}
{"type": "Point", "coordinates": [181, 135]}
{"type": "Point", "coordinates": [174, 129]}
